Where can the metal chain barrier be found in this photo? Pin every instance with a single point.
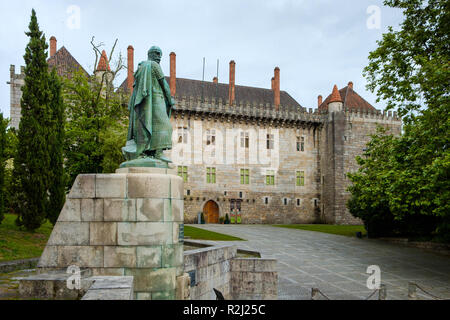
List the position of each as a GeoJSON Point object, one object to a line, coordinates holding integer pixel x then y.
{"type": "Point", "coordinates": [315, 292]}
{"type": "Point", "coordinates": [412, 292]}
{"type": "Point", "coordinates": [381, 296]}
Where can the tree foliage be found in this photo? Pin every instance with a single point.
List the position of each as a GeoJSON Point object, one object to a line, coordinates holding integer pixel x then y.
{"type": "Point", "coordinates": [57, 185]}
{"type": "Point", "coordinates": [32, 159]}
{"type": "Point", "coordinates": [403, 185]}
{"type": "Point", "coordinates": [97, 127]}
{"type": "Point", "coordinates": [3, 158]}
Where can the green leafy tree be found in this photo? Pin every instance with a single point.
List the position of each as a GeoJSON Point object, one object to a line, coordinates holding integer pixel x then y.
{"type": "Point", "coordinates": [57, 185]}
{"type": "Point", "coordinates": [32, 161]}
{"type": "Point", "coordinates": [3, 158]}
{"type": "Point", "coordinates": [98, 121]}
{"type": "Point", "coordinates": [405, 180]}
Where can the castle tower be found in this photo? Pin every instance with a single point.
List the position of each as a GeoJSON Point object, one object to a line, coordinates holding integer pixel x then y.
{"type": "Point", "coordinates": [103, 72]}
{"type": "Point", "coordinates": [335, 104]}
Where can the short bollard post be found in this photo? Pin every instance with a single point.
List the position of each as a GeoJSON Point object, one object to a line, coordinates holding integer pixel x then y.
{"type": "Point", "coordinates": [382, 292]}
{"type": "Point", "coordinates": [412, 291]}
{"type": "Point", "coordinates": [314, 294]}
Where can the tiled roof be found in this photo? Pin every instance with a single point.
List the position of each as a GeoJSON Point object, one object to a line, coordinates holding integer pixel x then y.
{"type": "Point", "coordinates": [103, 64]}
{"type": "Point", "coordinates": [195, 88]}
{"type": "Point", "coordinates": [351, 100]}
{"type": "Point", "coordinates": [64, 62]}
{"type": "Point", "coordinates": [335, 95]}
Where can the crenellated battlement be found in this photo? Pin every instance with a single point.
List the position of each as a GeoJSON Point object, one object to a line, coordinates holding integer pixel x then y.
{"type": "Point", "coordinates": [213, 106]}
{"type": "Point", "coordinates": [372, 114]}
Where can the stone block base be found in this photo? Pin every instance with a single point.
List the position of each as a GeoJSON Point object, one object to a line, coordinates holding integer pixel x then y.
{"type": "Point", "coordinates": [123, 224]}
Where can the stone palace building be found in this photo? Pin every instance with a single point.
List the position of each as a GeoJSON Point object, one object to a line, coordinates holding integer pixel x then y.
{"type": "Point", "coordinates": [255, 154]}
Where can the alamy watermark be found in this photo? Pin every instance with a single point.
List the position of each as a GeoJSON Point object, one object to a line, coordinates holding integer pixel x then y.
{"type": "Point", "coordinates": [248, 146]}
{"type": "Point", "coordinates": [74, 280]}
{"type": "Point", "coordinates": [374, 280]}
{"type": "Point", "coordinates": [73, 21]}
{"type": "Point", "coordinates": [374, 19]}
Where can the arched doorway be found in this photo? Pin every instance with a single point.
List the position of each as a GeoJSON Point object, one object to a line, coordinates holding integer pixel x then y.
{"type": "Point", "coordinates": [211, 212]}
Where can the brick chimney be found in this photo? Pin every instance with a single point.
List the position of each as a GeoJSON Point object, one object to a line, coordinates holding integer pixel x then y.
{"type": "Point", "coordinates": [130, 78]}
{"type": "Point", "coordinates": [319, 100]}
{"type": "Point", "coordinates": [215, 80]}
{"type": "Point", "coordinates": [276, 88]}
{"type": "Point", "coordinates": [52, 46]}
{"type": "Point", "coordinates": [173, 74]}
{"type": "Point", "coordinates": [350, 85]}
{"type": "Point", "coordinates": [231, 90]}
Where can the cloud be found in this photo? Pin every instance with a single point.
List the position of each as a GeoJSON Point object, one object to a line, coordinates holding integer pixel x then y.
{"type": "Point", "coordinates": [315, 43]}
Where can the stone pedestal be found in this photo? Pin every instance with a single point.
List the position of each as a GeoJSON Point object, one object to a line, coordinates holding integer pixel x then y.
{"type": "Point", "coordinates": [127, 223]}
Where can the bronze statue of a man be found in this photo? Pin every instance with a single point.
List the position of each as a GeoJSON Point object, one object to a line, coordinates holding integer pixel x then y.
{"type": "Point", "coordinates": [149, 130]}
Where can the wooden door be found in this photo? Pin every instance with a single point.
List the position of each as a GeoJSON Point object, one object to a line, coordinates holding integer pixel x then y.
{"type": "Point", "coordinates": [211, 212]}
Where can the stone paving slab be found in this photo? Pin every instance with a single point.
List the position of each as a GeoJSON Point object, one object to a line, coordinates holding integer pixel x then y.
{"type": "Point", "coordinates": [337, 264]}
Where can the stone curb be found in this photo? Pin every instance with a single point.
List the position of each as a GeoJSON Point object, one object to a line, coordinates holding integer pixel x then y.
{"type": "Point", "coordinates": [439, 248]}
{"type": "Point", "coordinates": [10, 266]}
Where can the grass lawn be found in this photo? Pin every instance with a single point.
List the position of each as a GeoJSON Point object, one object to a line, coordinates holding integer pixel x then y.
{"type": "Point", "coordinates": [349, 231]}
{"type": "Point", "coordinates": [200, 234]}
{"type": "Point", "coordinates": [16, 243]}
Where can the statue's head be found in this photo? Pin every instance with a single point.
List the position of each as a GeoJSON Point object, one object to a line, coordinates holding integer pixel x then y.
{"type": "Point", "coordinates": [155, 54]}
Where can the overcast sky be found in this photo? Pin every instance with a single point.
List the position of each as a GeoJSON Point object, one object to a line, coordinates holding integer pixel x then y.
{"type": "Point", "coordinates": [316, 43]}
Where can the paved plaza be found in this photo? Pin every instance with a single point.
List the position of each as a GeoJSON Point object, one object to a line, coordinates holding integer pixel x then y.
{"type": "Point", "coordinates": [337, 264]}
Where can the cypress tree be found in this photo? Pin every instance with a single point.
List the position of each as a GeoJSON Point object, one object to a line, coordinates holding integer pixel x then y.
{"type": "Point", "coordinates": [3, 124]}
{"type": "Point", "coordinates": [56, 142]}
{"type": "Point", "coordinates": [32, 162]}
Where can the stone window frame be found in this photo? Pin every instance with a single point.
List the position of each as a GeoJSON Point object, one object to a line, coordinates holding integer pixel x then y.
{"type": "Point", "coordinates": [244, 175]}
{"type": "Point", "coordinates": [270, 177]}
{"type": "Point", "coordinates": [300, 178]}
{"type": "Point", "coordinates": [270, 141]}
{"type": "Point", "coordinates": [266, 200]}
{"type": "Point", "coordinates": [211, 175]}
{"type": "Point", "coordinates": [245, 139]}
{"type": "Point", "coordinates": [183, 173]}
{"type": "Point", "coordinates": [300, 146]}
{"type": "Point", "coordinates": [211, 137]}
{"type": "Point", "coordinates": [182, 133]}
{"type": "Point", "coordinates": [298, 202]}
{"type": "Point", "coordinates": [285, 201]}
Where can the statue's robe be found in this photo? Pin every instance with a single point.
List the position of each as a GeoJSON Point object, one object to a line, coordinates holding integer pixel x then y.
{"type": "Point", "coordinates": [149, 128]}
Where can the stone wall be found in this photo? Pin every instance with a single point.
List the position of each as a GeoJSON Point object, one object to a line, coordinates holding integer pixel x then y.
{"type": "Point", "coordinates": [211, 269]}
{"type": "Point", "coordinates": [285, 161]}
{"type": "Point", "coordinates": [343, 137]}
{"type": "Point", "coordinates": [15, 86]}
{"type": "Point", "coordinates": [254, 279]}
{"type": "Point", "coordinates": [236, 278]}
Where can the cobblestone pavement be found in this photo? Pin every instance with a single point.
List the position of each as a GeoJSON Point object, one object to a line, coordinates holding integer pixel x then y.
{"type": "Point", "coordinates": [337, 264]}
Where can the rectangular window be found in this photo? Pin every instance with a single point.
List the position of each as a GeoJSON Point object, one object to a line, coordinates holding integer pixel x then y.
{"type": "Point", "coordinates": [210, 175]}
{"type": "Point", "coordinates": [182, 134]}
{"type": "Point", "coordinates": [298, 202]}
{"type": "Point", "coordinates": [245, 176]}
{"type": "Point", "coordinates": [211, 137]}
{"type": "Point", "coordinates": [300, 181]}
{"type": "Point", "coordinates": [270, 141]}
{"type": "Point", "coordinates": [270, 178]}
{"type": "Point", "coordinates": [266, 200]}
{"type": "Point", "coordinates": [183, 172]}
{"type": "Point", "coordinates": [300, 143]}
{"type": "Point", "coordinates": [285, 201]}
{"type": "Point", "coordinates": [244, 140]}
